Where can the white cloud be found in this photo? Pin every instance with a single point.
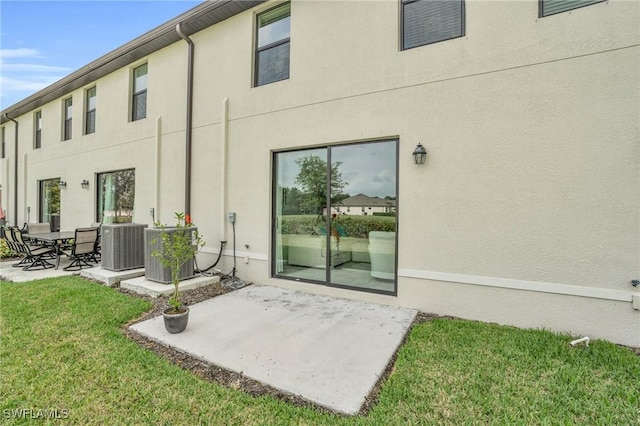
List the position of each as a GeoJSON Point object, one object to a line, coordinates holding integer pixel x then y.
{"type": "Point", "coordinates": [29, 84]}
{"type": "Point", "coordinates": [22, 74]}
{"type": "Point", "coordinates": [19, 53]}
{"type": "Point", "coordinates": [32, 68]}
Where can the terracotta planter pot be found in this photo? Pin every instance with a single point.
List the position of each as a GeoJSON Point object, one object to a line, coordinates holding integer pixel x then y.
{"type": "Point", "coordinates": [176, 323]}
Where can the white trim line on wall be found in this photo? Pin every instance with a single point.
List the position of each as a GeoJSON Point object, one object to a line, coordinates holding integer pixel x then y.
{"type": "Point", "coordinates": [514, 284]}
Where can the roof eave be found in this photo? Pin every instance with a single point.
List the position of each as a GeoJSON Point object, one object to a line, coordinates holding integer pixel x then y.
{"type": "Point", "coordinates": [200, 17]}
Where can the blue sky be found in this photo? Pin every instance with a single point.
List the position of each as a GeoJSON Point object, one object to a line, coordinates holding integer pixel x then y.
{"type": "Point", "coordinates": [43, 41]}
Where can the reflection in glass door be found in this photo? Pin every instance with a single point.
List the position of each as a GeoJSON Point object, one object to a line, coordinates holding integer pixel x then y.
{"type": "Point", "coordinates": [335, 215]}
{"type": "Point", "coordinates": [49, 202]}
{"type": "Point", "coordinates": [300, 197]}
{"type": "Point", "coordinates": [116, 196]}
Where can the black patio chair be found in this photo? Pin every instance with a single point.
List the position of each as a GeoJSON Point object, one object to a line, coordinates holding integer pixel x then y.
{"type": "Point", "coordinates": [34, 258]}
{"type": "Point", "coordinates": [98, 250]}
{"type": "Point", "coordinates": [33, 229]}
{"type": "Point", "coordinates": [7, 234]}
{"type": "Point", "coordinates": [83, 249]}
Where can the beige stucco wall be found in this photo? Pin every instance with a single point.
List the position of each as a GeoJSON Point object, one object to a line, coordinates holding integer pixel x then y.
{"type": "Point", "coordinates": [528, 207]}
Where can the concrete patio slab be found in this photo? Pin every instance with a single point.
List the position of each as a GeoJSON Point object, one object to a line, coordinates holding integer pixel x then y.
{"type": "Point", "coordinates": [328, 350]}
{"type": "Point", "coordinates": [17, 275]}
{"type": "Point", "coordinates": [111, 278]}
{"type": "Point", "coordinates": [141, 285]}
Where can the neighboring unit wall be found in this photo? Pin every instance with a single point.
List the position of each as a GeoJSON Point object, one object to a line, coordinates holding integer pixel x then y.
{"type": "Point", "coordinates": [117, 144]}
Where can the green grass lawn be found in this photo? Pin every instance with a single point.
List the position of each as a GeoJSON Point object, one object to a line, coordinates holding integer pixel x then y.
{"type": "Point", "coordinates": [62, 348]}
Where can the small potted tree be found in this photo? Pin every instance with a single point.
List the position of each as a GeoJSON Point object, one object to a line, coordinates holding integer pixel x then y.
{"type": "Point", "coordinates": [177, 248]}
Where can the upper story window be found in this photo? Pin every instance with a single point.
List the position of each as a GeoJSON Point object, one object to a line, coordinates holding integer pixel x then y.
{"type": "Point", "coordinates": [272, 45]}
{"type": "Point", "coordinates": [3, 141]}
{"type": "Point", "coordinates": [429, 21]}
{"type": "Point", "coordinates": [37, 130]}
{"type": "Point", "coordinates": [551, 7]}
{"type": "Point", "coordinates": [90, 111]}
{"type": "Point", "coordinates": [139, 99]}
{"type": "Point", "coordinates": [68, 114]}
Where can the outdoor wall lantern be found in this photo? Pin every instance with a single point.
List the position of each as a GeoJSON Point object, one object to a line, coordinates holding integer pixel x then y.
{"type": "Point", "coordinates": [85, 184]}
{"type": "Point", "coordinates": [419, 154]}
{"type": "Point", "coordinates": [62, 184]}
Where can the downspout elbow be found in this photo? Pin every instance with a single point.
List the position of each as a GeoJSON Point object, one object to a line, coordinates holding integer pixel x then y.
{"type": "Point", "coordinates": [189, 121]}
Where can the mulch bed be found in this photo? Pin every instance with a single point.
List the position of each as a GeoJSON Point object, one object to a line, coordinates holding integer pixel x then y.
{"type": "Point", "coordinates": [213, 373]}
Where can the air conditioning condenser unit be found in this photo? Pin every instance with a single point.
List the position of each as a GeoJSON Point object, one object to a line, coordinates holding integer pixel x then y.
{"type": "Point", "coordinates": [122, 246]}
{"type": "Point", "coordinates": [153, 269]}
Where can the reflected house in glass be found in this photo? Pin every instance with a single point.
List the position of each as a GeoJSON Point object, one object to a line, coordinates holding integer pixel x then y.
{"type": "Point", "coordinates": [306, 131]}
{"type": "Point", "coordinates": [363, 205]}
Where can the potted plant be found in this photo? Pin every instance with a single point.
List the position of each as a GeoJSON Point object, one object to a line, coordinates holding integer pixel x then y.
{"type": "Point", "coordinates": [177, 248]}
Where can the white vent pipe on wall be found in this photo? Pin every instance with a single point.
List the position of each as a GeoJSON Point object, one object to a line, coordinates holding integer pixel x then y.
{"type": "Point", "coordinates": [224, 148]}
{"type": "Point", "coordinates": [158, 140]}
{"type": "Point", "coordinates": [15, 171]}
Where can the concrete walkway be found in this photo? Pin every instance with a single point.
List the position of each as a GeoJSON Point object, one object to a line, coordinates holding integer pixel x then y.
{"type": "Point", "coordinates": [327, 350]}
{"type": "Point", "coordinates": [96, 273]}
{"type": "Point", "coordinates": [17, 275]}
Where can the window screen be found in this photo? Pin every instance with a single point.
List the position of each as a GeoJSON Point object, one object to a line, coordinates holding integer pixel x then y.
{"type": "Point", "coordinates": [551, 7]}
{"type": "Point", "coordinates": [431, 21]}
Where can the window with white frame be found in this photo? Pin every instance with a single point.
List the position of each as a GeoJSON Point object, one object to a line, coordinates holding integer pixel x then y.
{"type": "Point", "coordinates": [428, 21]}
{"type": "Point", "coordinates": [68, 116]}
{"type": "Point", "coordinates": [272, 45]}
{"type": "Point", "coordinates": [37, 130]}
{"type": "Point", "coordinates": [551, 7]}
{"type": "Point", "coordinates": [139, 99]}
{"type": "Point", "coordinates": [90, 111]}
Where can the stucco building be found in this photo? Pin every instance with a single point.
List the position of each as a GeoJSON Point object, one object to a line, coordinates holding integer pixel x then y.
{"type": "Point", "coordinates": [525, 212]}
